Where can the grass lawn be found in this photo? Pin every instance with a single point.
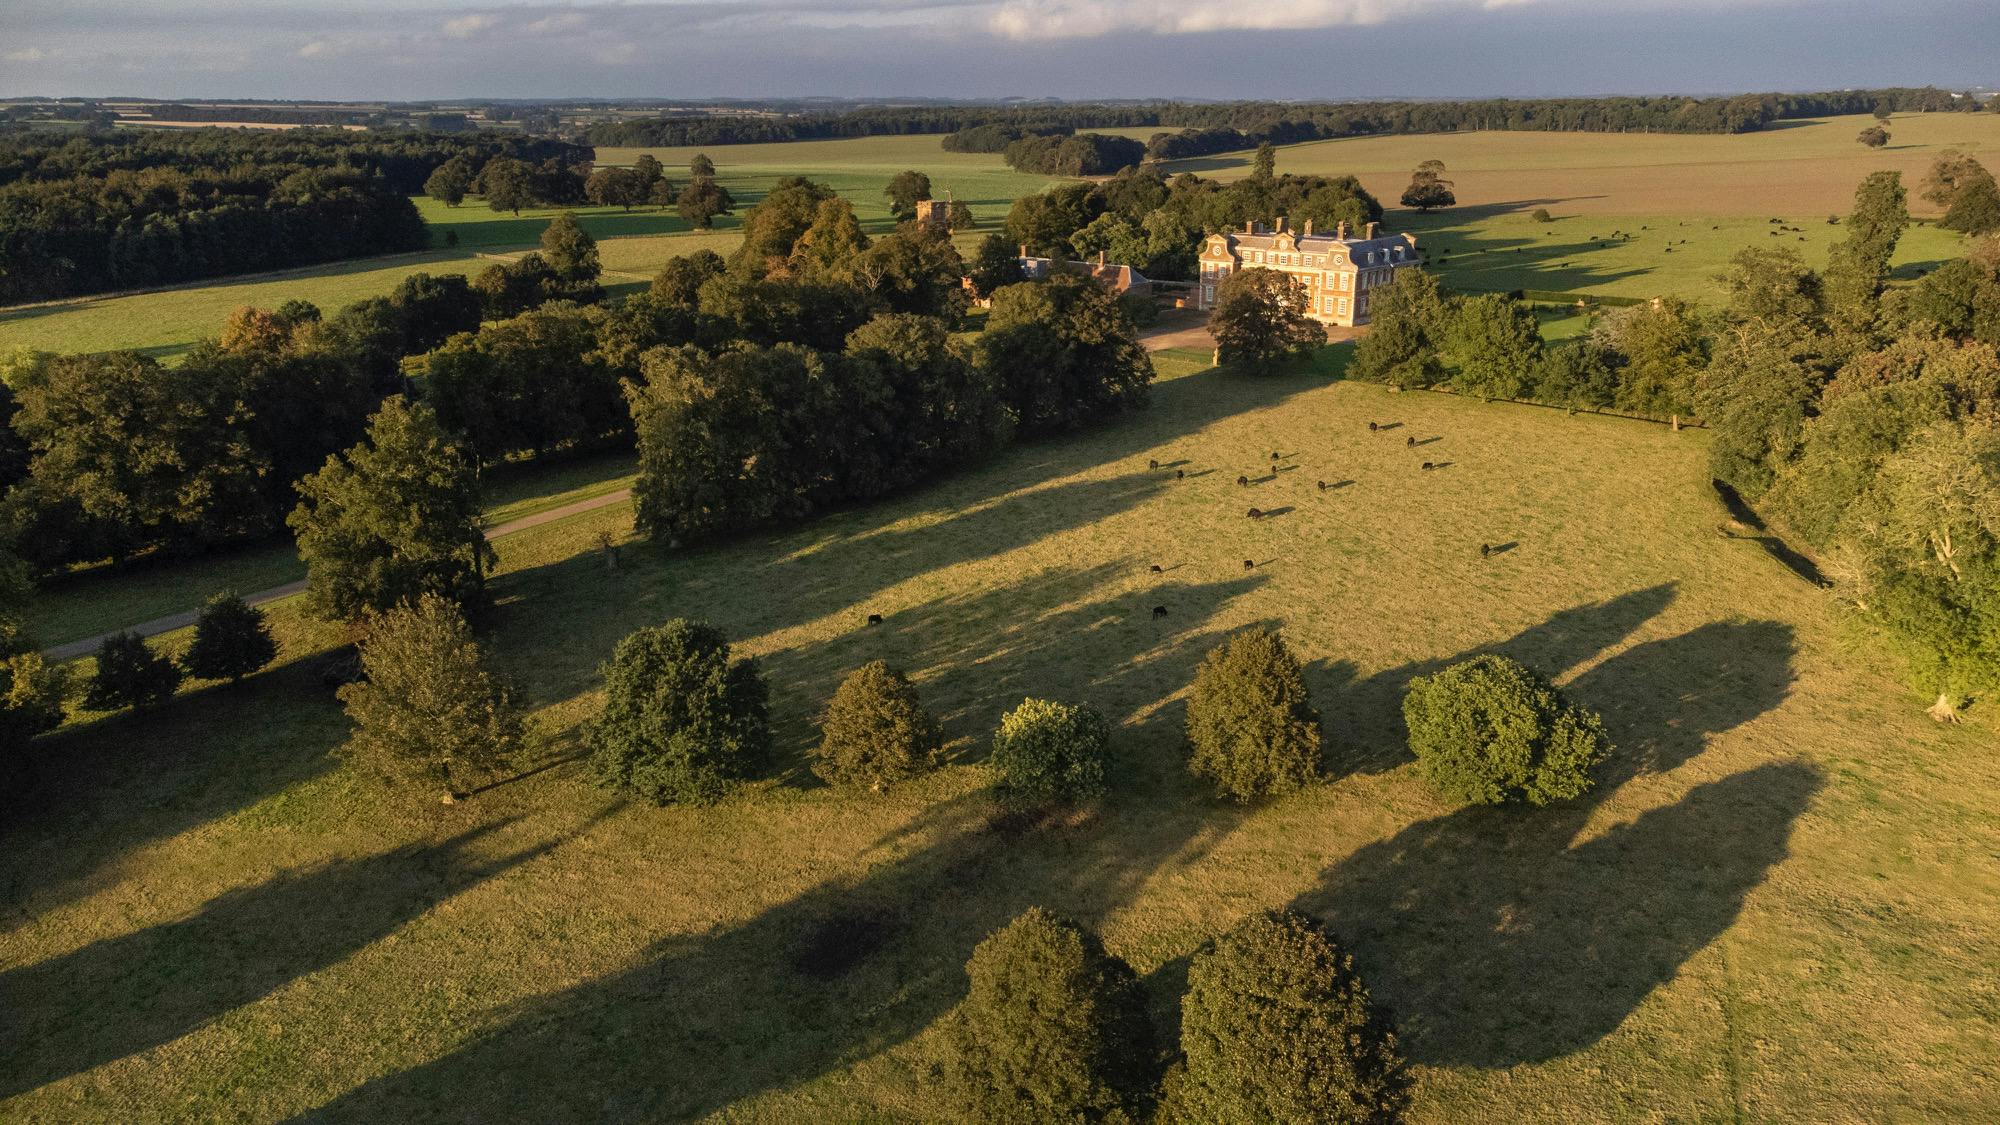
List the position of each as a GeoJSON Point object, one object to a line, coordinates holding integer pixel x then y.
{"type": "Point", "coordinates": [1778, 905]}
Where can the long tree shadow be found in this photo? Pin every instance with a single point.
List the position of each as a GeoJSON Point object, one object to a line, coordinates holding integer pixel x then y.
{"type": "Point", "coordinates": [862, 963]}
{"type": "Point", "coordinates": [1500, 939]}
{"type": "Point", "coordinates": [124, 995]}
{"type": "Point", "coordinates": [91, 793]}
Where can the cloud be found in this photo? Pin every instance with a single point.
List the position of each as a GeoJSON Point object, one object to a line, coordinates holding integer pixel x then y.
{"type": "Point", "coordinates": [26, 54]}
{"type": "Point", "coordinates": [554, 24]}
{"type": "Point", "coordinates": [1075, 19]}
{"type": "Point", "coordinates": [315, 49]}
{"type": "Point", "coordinates": [465, 27]}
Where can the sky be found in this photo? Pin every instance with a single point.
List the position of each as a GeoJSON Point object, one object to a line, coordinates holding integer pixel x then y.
{"type": "Point", "coordinates": [1288, 49]}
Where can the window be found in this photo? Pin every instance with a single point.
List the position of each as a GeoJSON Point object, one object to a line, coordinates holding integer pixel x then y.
{"type": "Point", "coordinates": [1343, 306]}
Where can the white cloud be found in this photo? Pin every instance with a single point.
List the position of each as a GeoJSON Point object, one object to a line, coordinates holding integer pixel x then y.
{"type": "Point", "coordinates": [315, 49]}
{"type": "Point", "coordinates": [26, 54]}
{"type": "Point", "coordinates": [1073, 19]}
{"type": "Point", "coordinates": [465, 27]}
{"type": "Point", "coordinates": [555, 24]}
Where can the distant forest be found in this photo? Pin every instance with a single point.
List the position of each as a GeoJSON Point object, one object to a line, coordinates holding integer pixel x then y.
{"type": "Point", "coordinates": [104, 211]}
{"type": "Point", "coordinates": [1243, 124]}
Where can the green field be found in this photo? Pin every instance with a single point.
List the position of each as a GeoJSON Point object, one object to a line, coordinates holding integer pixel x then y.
{"type": "Point", "coordinates": [1778, 906]}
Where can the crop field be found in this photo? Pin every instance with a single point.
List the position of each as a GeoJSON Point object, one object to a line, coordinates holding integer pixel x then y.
{"type": "Point", "coordinates": [1776, 906]}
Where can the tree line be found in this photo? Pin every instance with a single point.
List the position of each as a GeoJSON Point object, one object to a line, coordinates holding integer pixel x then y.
{"type": "Point", "coordinates": [1254, 122]}
{"type": "Point", "coordinates": [1079, 154]}
{"type": "Point", "coordinates": [94, 214]}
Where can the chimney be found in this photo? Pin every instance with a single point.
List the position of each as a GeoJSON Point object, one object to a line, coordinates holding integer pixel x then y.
{"type": "Point", "coordinates": [1100, 259]}
{"type": "Point", "coordinates": [1281, 222]}
{"type": "Point", "coordinates": [1024, 249]}
{"type": "Point", "coordinates": [1340, 231]}
{"type": "Point", "coordinates": [1309, 228]}
{"type": "Point", "coordinates": [1371, 230]}
{"type": "Point", "coordinates": [1249, 227]}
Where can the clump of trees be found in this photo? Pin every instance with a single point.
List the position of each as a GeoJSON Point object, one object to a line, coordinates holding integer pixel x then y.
{"type": "Point", "coordinates": [31, 692]}
{"type": "Point", "coordinates": [1062, 355]}
{"type": "Point", "coordinates": [1262, 319]}
{"type": "Point", "coordinates": [565, 269]}
{"type": "Point", "coordinates": [1079, 154]}
{"type": "Point", "coordinates": [231, 640]}
{"type": "Point", "coordinates": [1252, 730]}
{"type": "Point", "coordinates": [428, 711]}
{"type": "Point", "coordinates": [1965, 191]}
{"type": "Point", "coordinates": [1491, 731]}
{"type": "Point", "coordinates": [905, 191]}
{"type": "Point", "coordinates": [1278, 1026]}
{"type": "Point", "coordinates": [1429, 189]}
{"type": "Point", "coordinates": [1874, 136]}
{"type": "Point", "coordinates": [1053, 1028]}
{"type": "Point", "coordinates": [875, 731]}
{"type": "Point", "coordinates": [682, 721]}
{"type": "Point", "coordinates": [392, 519]}
{"type": "Point", "coordinates": [1047, 753]}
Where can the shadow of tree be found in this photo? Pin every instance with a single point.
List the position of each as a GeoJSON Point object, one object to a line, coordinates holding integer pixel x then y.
{"type": "Point", "coordinates": [123, 995]}
{"type": "Point", "coordinates": [861, 963]}
{"type": "Point", "coordinates": [1496, 936]}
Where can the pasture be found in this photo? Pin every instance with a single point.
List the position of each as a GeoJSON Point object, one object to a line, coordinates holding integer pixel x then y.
{"type": "Point", "coordinates": [1777, 905]}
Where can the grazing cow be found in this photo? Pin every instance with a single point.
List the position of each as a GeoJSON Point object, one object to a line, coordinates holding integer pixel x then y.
{"type": "Point", "coordinates": [1180, 474]}
{"type": "Point", "coordinates": [1244, 481]}
{"type": "Point", "coordinates": [1159, 611]}
{"type": "Point", "coordinates": [1274, 455]}
{"type": "Point", "coordinates": [1410, 441]}
{"type": "Point", "coordinates": [1157, 570]}
{"type": "Point", "coordinates": [1256, 513]}
{"type": "Point", "coordinates": [1249, 564]}
{"type": "Point", "coordinates": [874, 619]}
{"type": "Point", "coordinates": [1485, 549]}
{"type": "Point", "coordinates": [1322, 486]}
{"type": "Point", "coordinates": [1428, 466]}
{"type": "Point", "coordinates": [1153, 464]}
{"type": "Point", "coordinates": [1372, 427]}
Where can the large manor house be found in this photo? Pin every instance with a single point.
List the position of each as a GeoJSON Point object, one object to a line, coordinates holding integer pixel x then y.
{"type": "Point", "coordinates": [1336, 271]}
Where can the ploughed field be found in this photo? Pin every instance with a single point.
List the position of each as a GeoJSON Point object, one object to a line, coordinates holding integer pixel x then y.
{"type": "Point", "coordinates": [1677, 187]}
{"type": "Point", "coordinates": [1778, 905]}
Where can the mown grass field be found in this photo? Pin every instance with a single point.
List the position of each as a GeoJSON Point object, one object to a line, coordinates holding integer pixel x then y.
{"type": "Point", "coordinates": [1777, 906]}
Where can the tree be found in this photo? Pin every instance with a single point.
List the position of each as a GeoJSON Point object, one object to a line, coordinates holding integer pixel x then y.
{"type": "Point", "coordinates": [1539, 214]}
{"type": "Point", "coordinates": [1774, 288]}
{"type": "Point", "coordinates": [1264, 165]}
{"type": "Point", "coordinates": [231, 640]}
{"type": "Point", "coordinates": [1062, 355]}
{"type": "Point", "coordinates": [393, 518]}
{"type": "Point", "coordinates": [1053, 1028]}
{"type": "Point", "coordinates": [1261, 320]}
{"type": "Point", "coordinates": [1755, 397]}
{"type": "Point", "coordinates": [1428, 188]}
{"type": "Point", "coordinates": [1858, 266]}
{"type": "Point", "coordinates": [616, 187]}
{"type": "Point", "coordinates": [1976, 210]}
{"type": "Point", "coordinates": [958, 216]}
{"type": "Point", "coordinates": [875, 731]}
{"type": "Point", "coordinates": [572, 254]}
{"type": "Point", "coordinates": [829, 251]}
{"type": "Point", "coordinates": [701, 167]}
{"type": "Point", "coordinates": [508, 184]}
{"type": "Point", "coordinates": [1498, 344]}
{"type": "Point", "coordinates": [647, 174]}
{"type": "Point", "coordinates": [1489, 730]}
{"type": "Point", "coordinates": [510, 288]}
{"type": "Point", "coordinates": [1660, 349]}
{"type": "Point", "coordinates": [130, 674]}
{"type": "Point", "coordinates": [915, 270]}
{"type": "Point", "coordinates": [1047, 753]}
{"type": "Point", "coordinates": [1925, 538]}
{"type": "Point", "coordinates": [449, 182]}
{"type": "Point", "coordinates": [1576, 374]}
{"type": "Point", "coordinates": [679, 282]}
{"type": "Point", "coordinates": [1407, 320]}
{"type": "Point", "coordinates": [31, 692]}
{"type": "Point", "coordinates": [1251, 728]}
{"type": "Point", "coordinates": [128, 454]}
{"type": "Point", "coordinates": [772, 229]}
{"type": "Point", "coordinates": [1951, 173]}
{"type": "Point", "coordinates": [701, 201]}
{"type": "Point", "coordinates": [1873, 136]}
{"type": "Point", "coordinates": [997, 264]}
{"type": "Point", "coordinates": [904, 191]}
{"type": "Point", "coordinates": [1277, 1025]}
{"type": "Point", "coordinates": [427, 710]}
{"type": "Point", "coordinates": [682, 722]}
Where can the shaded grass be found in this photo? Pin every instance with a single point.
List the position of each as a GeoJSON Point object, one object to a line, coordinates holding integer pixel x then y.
{"type": "Point", "coordinates": [1726, 928]}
